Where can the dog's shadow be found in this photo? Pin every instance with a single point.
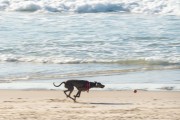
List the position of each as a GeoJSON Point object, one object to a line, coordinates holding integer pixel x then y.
{"type": "Point", "coordinates": [105, 103]}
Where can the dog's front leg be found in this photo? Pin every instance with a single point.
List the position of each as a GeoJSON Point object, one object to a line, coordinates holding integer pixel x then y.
{"type": "Point", "coordinates": [79, 93]}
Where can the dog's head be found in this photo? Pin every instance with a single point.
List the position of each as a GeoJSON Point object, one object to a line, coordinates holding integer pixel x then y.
{"type": "Point", "coordinates": [99, 85]}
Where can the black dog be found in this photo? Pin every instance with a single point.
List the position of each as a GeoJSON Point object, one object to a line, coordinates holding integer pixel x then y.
{"type": "Point", "coordinates": [81, 85]}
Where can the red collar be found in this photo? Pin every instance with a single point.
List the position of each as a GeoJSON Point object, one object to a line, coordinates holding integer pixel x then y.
{"type": "Point", "coordinates": [87, 86]}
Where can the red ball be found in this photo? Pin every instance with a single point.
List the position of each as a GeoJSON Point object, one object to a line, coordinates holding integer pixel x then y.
{"type": "Point", "coordinates": [135, 91]}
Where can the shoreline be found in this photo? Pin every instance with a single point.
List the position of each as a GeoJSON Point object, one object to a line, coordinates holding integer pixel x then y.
{"type": "Point", "coordinates": [48, 85]}
{"type": "Point", "coordinates": [147, 81]}
{"type": "Point", "coordinates": [101, 105]}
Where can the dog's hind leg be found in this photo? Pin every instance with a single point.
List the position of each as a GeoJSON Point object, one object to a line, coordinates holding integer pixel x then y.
{"type": "Point", "coordinates": [66, 93]}
{"type": "Point", "coordinates": [78, 94]}
{"type": "Point", "coordinates": [69, 96]}
{"type": "Point", "coordinates": [74, 99]}
{"type": "Point", "coordinates": [70, 89]}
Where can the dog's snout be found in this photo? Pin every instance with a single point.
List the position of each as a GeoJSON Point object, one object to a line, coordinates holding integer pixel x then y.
{"type": "Point", "coordinates": [103, 86]}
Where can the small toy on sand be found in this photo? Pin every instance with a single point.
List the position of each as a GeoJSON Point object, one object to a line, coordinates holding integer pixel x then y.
{"type": "Point", "coordinates": [135, 91]}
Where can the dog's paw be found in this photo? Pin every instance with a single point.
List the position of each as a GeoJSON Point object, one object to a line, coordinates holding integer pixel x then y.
{"type": "Point", "coordinates": [75, 100]}
{"type": "Point", "coordinates": [68, 96]}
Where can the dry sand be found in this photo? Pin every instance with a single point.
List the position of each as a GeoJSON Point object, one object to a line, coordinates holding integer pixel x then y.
{"type": "Point", "coordinates": [95, 105]}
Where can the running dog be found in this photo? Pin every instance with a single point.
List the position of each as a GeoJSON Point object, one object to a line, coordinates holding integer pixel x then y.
{"type": "Point", "coordinates": [81, 85]}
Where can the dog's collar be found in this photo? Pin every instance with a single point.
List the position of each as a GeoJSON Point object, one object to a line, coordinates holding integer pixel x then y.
{"type": "Point", "coordinates": [87, 86]}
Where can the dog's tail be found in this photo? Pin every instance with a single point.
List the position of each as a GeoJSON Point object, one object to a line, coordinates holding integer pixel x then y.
{"type": "Point", "coordinates": [59, 84]}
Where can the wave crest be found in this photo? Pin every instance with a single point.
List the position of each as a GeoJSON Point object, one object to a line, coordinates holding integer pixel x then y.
{"type": "Point", "coordinates": [93, 6]}
{"type": "Point", "coordinates": [68, 60]}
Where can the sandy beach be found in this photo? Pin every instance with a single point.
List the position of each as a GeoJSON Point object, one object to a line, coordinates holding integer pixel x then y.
{"type": "Point", "coordinates": [125, 45]}
{"type": "Point", "coordinates": [95, 105]}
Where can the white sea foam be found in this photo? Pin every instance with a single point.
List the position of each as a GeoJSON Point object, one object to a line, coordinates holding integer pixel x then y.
{"type": "Point", "coordinates": [68, 60]}
{"type": "Point", "coordinates": [170, 7]}
{"type": "Point", "coordinates": [144, 86]}
{"type": "Point", "coordinates": [49, 85]}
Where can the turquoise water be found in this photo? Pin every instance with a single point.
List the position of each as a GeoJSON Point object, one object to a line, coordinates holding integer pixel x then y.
{"type": "Point", "coordinates": [125, 48]}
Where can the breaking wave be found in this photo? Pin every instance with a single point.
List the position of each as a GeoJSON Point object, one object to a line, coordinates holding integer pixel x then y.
{"type": "Point", "coordinates": [68, 60]}
{"type": "Point", "coordinates": [170, 7]}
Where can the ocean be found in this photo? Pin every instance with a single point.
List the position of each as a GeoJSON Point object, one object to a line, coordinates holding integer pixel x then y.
{"type": "Point", "coordinates": [124, 44]}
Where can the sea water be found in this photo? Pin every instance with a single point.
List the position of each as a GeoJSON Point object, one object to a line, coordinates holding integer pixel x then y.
{"type": "Point", "coordinates": [124, 44]}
